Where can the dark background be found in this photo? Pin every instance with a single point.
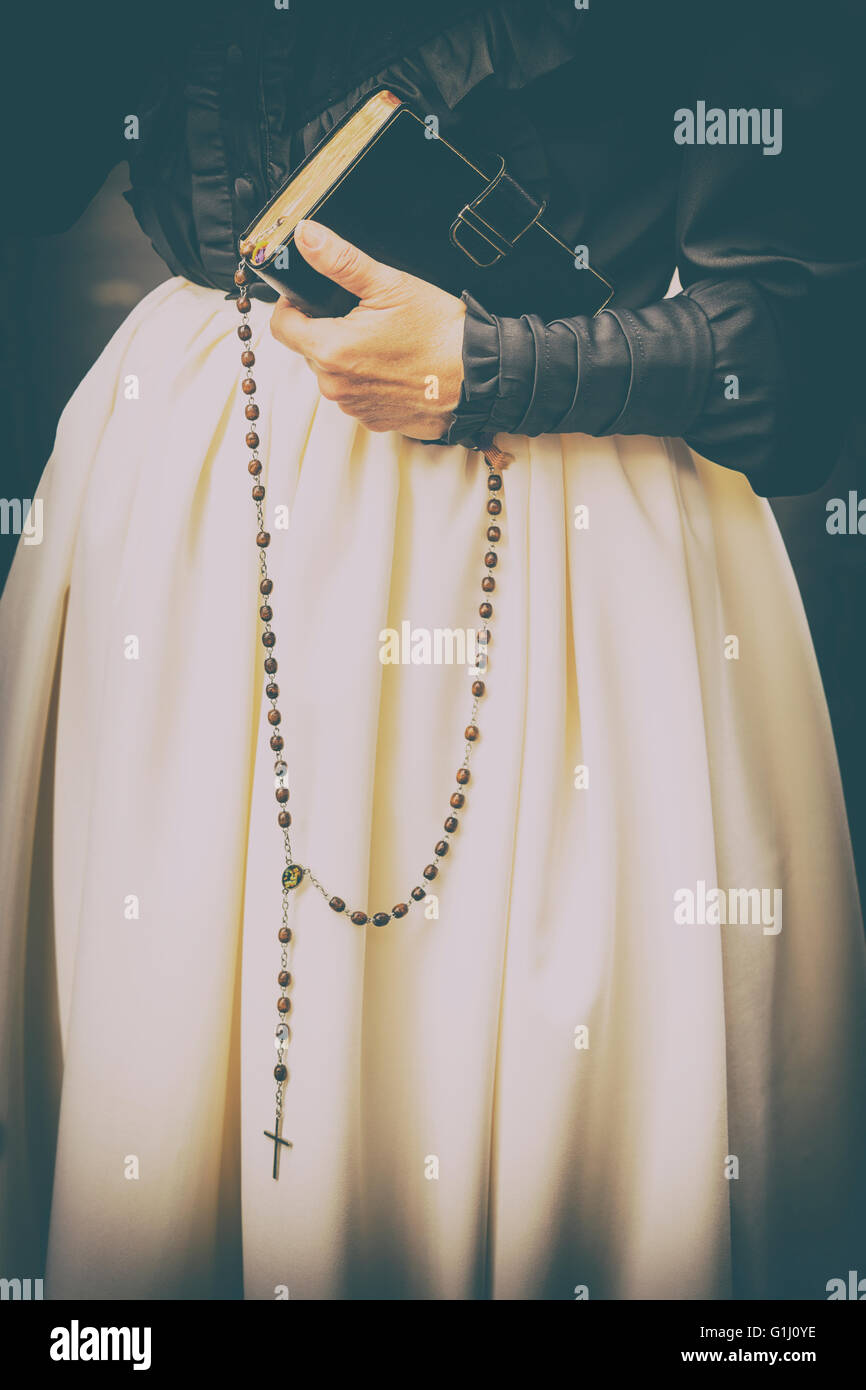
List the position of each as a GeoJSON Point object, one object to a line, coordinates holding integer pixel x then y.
{"type": "Point", "coordinates": [61, 308]}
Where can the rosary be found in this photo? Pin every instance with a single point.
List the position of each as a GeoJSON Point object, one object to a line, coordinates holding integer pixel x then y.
{"type": "Point", "coordinates": [293, 873]}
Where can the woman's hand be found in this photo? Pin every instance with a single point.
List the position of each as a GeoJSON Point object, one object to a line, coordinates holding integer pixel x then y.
{"type": "Point", "coordinates": [395, 362]}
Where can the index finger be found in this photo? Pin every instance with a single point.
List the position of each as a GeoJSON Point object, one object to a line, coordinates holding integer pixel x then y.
{"type": "Point", "coordinates": [299, 332]}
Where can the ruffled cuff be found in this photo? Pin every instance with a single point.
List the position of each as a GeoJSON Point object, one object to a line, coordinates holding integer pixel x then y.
{"type": "Point", "coordinates": [498, 370]}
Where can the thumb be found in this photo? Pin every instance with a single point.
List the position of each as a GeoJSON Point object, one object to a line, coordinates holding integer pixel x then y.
{"type": "Point", "coordinates": [342, 262]}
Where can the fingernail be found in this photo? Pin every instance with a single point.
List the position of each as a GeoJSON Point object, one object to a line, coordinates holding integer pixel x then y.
{"type": "Point", "coordinates": [310, 233]}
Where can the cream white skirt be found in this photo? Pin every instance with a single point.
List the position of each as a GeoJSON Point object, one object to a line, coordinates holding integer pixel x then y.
{"type": "Point", "coordinates": [580, 1078]}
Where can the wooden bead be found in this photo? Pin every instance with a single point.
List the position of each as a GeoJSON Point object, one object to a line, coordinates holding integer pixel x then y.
{"type": "Point", "coordinates": [282, 795]}
{"type": "Point", "coordinates": [450, 824]}
{"type": "Point", "coordinates": [269, 639]}
{"type": "Point", "coordinates": [248, 358]}
{"type": "Point", "coordinates": [251, 439]}
{"type": "Point", "coordinates": [441, 848]}
{"type": "Point", "coordinates": [471, 733]}
{"type": "Point", "coordinates": [243, 306]}
{"type": "Point", "coordinates": [277, 742]}
{"type": "Point", "coordinates": [337, 905]}
{"type": "Point", "coordinates": [271, 690]}
{"type": "Point", "coordinates": [284, 934]}
{"type": "Point", "coordinates": [431, 871]}
{"type": "Point", "coordinates": [266, 586]}
{"type": "Point", "coordinates": [246, 248]}
{"type": "Point", "coordinates": [263, 539]}
{"type": "Point", "coordinates": [463, 775]}
{"type": "Point", "coordinates": [280, 1072]}
{"type": "Point", "coordinates": [418, 894]}
{"type": "Point", "coordinates": [266, 613]}
{"type": "Point", "coordinates": [494, 482]}
{"type": "Point", "coordinates": [482, 637]}
{"type": "Point", "coordinates": [381, 919]}
{"type": "Point", "coordinates": [270, 664]}
{"type": "Point", "coordinates": [491, 559]}
{"type": "Point", "coordinates": [245, 332]}
{"type": "Point", "coordinates": [400, 910]}
{"type": "Point", "coordinates": [494, 534]}
{"type": "Point", "coordinates": [485, 609]}
{"type": "Point", "coordinates": [488, 583]}
{"type": "Point", "coordinates": [251, 411]}
{"type": "Point", "coordinates": [478, 688]}
{"type": "Point", "coordinates": [248, 386]}
{"type": "Point", "coordinates": [359, 918]}
{"type": "Point", "coordinates": [258, 493]}
{"type": "Point", "coordinates": [283, 1004]}
{"type": "Point", "coordinates": [494, 506]}
{"type": "Point", "coordinates": [284, 820]}
{"type": "Point", "coordinates": [457, 800]}
{"type": "Point", "coordinates": [284, 979]}
{"type": "Point", "coordinates": [241, 276]}
{"type": "Point", "coordinates": [254, 467]}
{"type": "Point", "coordinates": [274, 716]}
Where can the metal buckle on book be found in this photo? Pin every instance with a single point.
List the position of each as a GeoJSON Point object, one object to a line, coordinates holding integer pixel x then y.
{"type": "Point", "coordinates": [470, 216]}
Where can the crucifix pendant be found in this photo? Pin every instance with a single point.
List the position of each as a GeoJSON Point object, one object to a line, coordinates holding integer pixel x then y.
{"type": "Point", "coordinates": [278, 1124]}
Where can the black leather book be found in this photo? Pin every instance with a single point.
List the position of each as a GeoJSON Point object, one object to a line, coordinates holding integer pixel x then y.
{"type": "Point", "coordinates": [379, 180]}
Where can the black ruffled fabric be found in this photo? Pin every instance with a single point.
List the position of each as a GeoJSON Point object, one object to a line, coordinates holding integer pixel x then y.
{"type": "Point", "coordinates": [581, 104]}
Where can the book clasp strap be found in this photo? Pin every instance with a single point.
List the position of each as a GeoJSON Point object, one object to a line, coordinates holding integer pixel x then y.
{"type": "Point", "coordinates": [486, 229]}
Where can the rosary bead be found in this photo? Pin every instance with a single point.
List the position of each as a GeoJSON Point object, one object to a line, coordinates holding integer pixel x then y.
{"type": "Point", "coordinates": [478, 688]}
{"type": "Point", "coordinates": [243, 306]}
{"type": "Point", "coordinates": [269, 639]}
{"type": "Point", "coordinates": [418, 894]}
{"type": "Point", "coordinates": [241, 276]}
{"type": "Point", "coordinates": [282, 795]}
{"type": "Point", "coordinates": [441, 848]}
{"type": "Point", "coordinates": [463, 775]}
{"type": "Point", "coordinates": [284, 820]}
{"type": "Point", "coordinates": [266, 586]}
{"type": "Point", "coordinates": [270, 664]}
{"type": "Point", "coordinates": [248, 386]}
{"type": "Point", "coordinates": [245, 332]}
{"type": "Point", "coordinates": [494, 482]}
{"type": "Point", "coordinates": [251, 411]}
{"type": "Point", "coordinates": [277, 742]}
{"type": "Point", "coordinates": [360, 919]}
{"type": "Point", "coordinates": [246, 248]}
{"type": "Point", "coordinates": [488, 583]}
{"type": "Point", "coordinates": [457, 800]}
{"type": "Point", "coordinates": [400, 910]}
{"type": "Point", "coordinates": [284, 979]}
{"type": "Point", "coordinates": [283, 1004]}
{"type": "Point", "coordinates": [381, 919]}
{"type": "Point", "coordinates": [280, 1072]}
{"type": "Point", "coordinates": [431, 871]}
{"type": "Point", "coordinates": [266, 613]}
{"type": "Point", "coordinates": [494, 506]}
{"type": "Point", "coordinates": [251, 439]}
{"type": "Point", "coordinates": [248, 358]}
{"type": "Point", "coordinates": [486, 610]}
{"type": "Point", "coordinates": [471, 732]}
{"type": "Point", "coordinates": [271, 690]}
{"type": "Point", "coordinates": [451, 824]}
{"type": "Point", "coordinates": [491, 559]}
{"type": "Point", "coordinates": [258, 493]}
{"type": "Point", "coordinates": [337, 904]}
{"type": "Point", "coordinates": [255, 467]}
{"type": "Point", "coordinates": [494, 534]}
{"type": "Point", "coordinates": [285, 935]}
{"type": "Point", "coordinates": [263, 539]}
{"type": "Point", "coordinates": [482, 637]}
{"type": "Point", "coordinates": [274, 716]}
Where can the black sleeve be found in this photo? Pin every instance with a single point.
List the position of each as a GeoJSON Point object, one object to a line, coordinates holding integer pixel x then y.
{"type": "Point", "coordinates": [755, 362]}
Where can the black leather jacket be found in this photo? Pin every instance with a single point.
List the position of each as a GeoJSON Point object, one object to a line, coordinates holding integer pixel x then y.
{"type": "Point", "coordinates": [753, 363]}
